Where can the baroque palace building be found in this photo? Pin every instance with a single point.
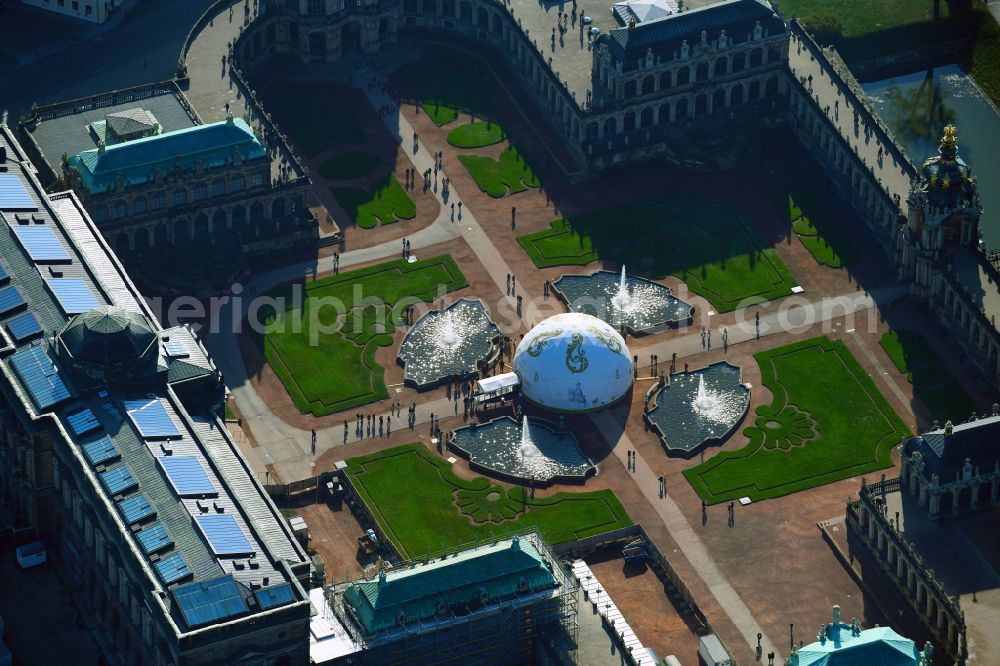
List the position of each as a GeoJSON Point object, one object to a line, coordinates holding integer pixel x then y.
{"type": "Point", "coordinates": [185, 204]}
{"type": "Point", "coordinates": [112, 450]}
{"type": "Point", "coordinates": [694, 89]}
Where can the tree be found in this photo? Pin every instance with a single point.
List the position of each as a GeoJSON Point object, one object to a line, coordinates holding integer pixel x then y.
{"type": "Point", "coordinates": [825, 27]}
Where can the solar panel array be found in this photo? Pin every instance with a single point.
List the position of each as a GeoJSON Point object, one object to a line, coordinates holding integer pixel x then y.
{"type": "Point", "coordinates": [100, 451]}
{"type": "Point", "coordinates": [210, 601]}
{"type": "Point", "coordinates": [153, 538]}
{"type": "Point", "coordinates": [82, 422]}
{"type": "Point", "coordinates": [224, 534]}
{"type": "Point", "coordinates": [187, 476]}
{"type": "Point", "coordinates": [276, 595]}
{"type": "Point", "coordinates": [73, 294]}
{"type": "Point", "coordinates": [24, 327]}
{"type": "Point", "coordinates": [136, 508]}
{"type": "Point", "coordinates": [10, 299]}
{"type": "Point", "coordinates": [118, 480]}
{"type": "Point", "coordinates": [151, 418]}
{"type": "Point", "coordinates": [41, 243]}
{"type": "Point", "coordinates": [13, 196]}
{"type": "Point", "coordinates": [176, 348]}
{"type": "Point", "coordinates": [40, 377]}
{"type": "Point", "coordinates": [172, 569]}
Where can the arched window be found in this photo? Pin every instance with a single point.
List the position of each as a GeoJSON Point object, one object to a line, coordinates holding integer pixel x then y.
{"type": "Point", "coordinates": [629, 90]}
{"type": "Point", "coordinates": [100, 214]}
{"type": "Point", "coordinates": [754, 91]}
{"type": "Point", "coordinates": [683, 76]}
{"type": "Point", "coordinates": [200, 192]}
{"type": "Point", "coordinates": [756, 57]}
{"type": "Point", "coordinates": [161, 235]}
{"type": "Point", "coordinates": [646, 119]}
{"type": "Point", "coordinates": [648, 84]}
{"type": "Point", "coordinates": [701, 74]}
{"type": "Point", "coordinates": [121, 209]}
{"type": "Point", "coordinates": [682, 109]}
{"type": "Point", "coordinates": [700, 104]}
{"type": "Point", "coordinates": [181, 232]}
{"type": "Point", "coordinates": [139, 205]}
{"type": "Point", "coordinates": [465, 11]}
{"type": "Point", "coordinates": [219, 221]}
{"type": "Point", "coordinates": [218, 187]}
{"type": "Point", "coordinates": [237, 184]}
{"type": "Point", "coordinates": [141, 239]}
{"type": "Point", "coordinates": [739, 62]}
{"type": "Point", "coordinates": [278, 207]}
{"type": "Point", "coordinates": [629, 122]}
{"type": "Point", "coordinates": [179, 197]}
{"type": "Point", "coordinates": [159, 200]}
{"type": "Point", "coordinates": [317, 7]}
{"type": "Point", "coordinates": [720, 67]}
{"type": "Point", "coordinates": [482, 19]}
{"type": "Point", "coordinates": [736, 96]}
{"type": "Point", "coordinates": [610, 127]}
{"type": "Point", "coordinates": [238, 218]}
{"type": "Point", "coordinates": [591, 130]}
{"type": "Point", "coordinates": [771, 87]}
{"type": "Point", "coordinates": [664, 116]}
{"type": "Point", "coordinates": [718, 100]}
{"type": "Point", "coordinates": [201, 226]}
{"type": "Point", "coordinates": [256, 213]}
{"type": "Point", "coordinates": [666, 79]}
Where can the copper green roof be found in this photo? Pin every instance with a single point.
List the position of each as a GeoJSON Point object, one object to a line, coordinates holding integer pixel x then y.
{"type": "Point", "coordinates": [108, 335]}
{"type": "Point", "coordinates": [138, 160]}
{"type": "Point", "coordinates": [880, 646]}
{"type": "Point", "coordinates": [417, 593]}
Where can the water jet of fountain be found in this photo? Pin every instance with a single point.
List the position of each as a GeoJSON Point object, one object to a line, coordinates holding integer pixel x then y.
{"type": "Point", "coordinates": [703, 402]}
{"type": "Point", "coordinates": [449, 337]}
{"type": "Point", "coordinates": [623, 299]}
{"type": "Point", "coordinates": [528, 448]}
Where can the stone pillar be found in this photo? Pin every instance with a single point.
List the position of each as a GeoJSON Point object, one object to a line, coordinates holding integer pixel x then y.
{"type": "Point", "coordinates": [974, 500]}
{"type": "Point", "coordinates": [900, 567]}
{"type": "Point", "coordinates": [922, 499]}
{"type": "Point", "coordinates": [935, 510]}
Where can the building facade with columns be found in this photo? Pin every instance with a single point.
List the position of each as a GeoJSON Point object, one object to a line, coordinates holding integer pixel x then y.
{"type": "Point", "coordinates": [184, 203]}
{"type": "Point", "coordinates": [954, 469]}
{"type": "Point", "coordinates": [657, 81]}
{"type": "Point", "coordinates": [901, 565]}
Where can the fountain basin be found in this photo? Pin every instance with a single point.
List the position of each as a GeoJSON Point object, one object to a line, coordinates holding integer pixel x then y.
{"type": "Point", "coordinates": [494, 448]}
{"type": "Point", "coordinates": [647, 305]}
{"type": "Point", "coordinates": [447, 344]}
{"type": "Point", "coordinates": [683, 425]}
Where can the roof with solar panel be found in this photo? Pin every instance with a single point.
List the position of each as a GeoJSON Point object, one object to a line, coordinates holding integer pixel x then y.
{"type": "Point", "coordinates": [83, 354]}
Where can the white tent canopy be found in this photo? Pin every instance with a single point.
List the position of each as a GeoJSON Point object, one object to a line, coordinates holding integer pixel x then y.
{"type": "Point", "coordinates": [498, 382]}
{"type": "Point", "coordinates": [643, 10]}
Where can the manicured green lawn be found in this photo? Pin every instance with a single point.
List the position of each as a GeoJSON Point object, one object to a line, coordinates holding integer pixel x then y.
{"type": "Point", "coordinates": [385, 203]}
{"type": "Point", "coordinates": [424, 508]}
{"type": "Point", "coordinates": [322, 347]}
{"type": "Point", "coordinates": [797, 202]}
{"type": "Point", "coordinates": [476, 135]}
{"type": "Point", "coordinates": [445, 85]}
{"type": "Point", "coordinates": [933, 383]}
{"type": "Point", "coordinates": [496, 177]}
{"type": "Point", "coordinates": [354, 164]}
{"type": "Point", "coordinates": [827, 422]}
{"type": "Point", "coordinates": [314, 124]}
{"type": "Point", "coordinates": [708, 244]}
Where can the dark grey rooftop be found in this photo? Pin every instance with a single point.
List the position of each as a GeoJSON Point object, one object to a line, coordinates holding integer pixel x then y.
{"type": "Point", "coordinates": [68, 133]}
{"type": "Point", "coordinates": [736, 17]}
{"type": "Point", "coordinates": [202, 437]}
{"type": "Point", "coordinates": [977, 440]}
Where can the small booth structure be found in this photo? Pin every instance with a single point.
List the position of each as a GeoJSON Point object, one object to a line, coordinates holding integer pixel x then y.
{"type": "Point", "coordinates": [492, 391]}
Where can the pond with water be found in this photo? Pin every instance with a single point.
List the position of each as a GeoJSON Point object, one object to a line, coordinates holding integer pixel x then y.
{"type": "Point", "coordinates": [917, 106]}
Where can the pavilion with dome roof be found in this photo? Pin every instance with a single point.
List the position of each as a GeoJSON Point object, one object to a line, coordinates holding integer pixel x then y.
{"type": "Point", "coordinates": [842, 644]}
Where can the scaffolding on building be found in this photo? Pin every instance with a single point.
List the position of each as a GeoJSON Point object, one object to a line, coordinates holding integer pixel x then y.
{"type": "Point", "coordinates": [531, 626]}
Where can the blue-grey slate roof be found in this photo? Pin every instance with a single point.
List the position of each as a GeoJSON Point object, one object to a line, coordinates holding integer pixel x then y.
{"type": "Point", "coordinates": [736, 17]}
{"type": "Point", "coordinates": [978, 440]}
